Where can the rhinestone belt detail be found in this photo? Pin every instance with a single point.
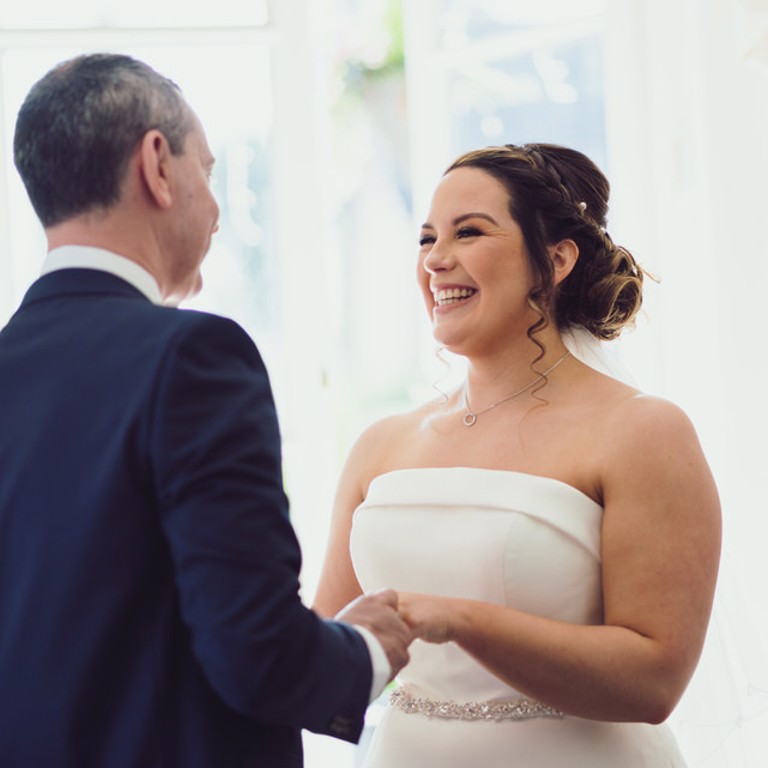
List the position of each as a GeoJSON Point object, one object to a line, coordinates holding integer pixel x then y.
{"type": "Point", "coordinates": [510, 709]}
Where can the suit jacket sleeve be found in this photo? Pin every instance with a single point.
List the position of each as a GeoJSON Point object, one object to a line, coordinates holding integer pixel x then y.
{"type": "Point", "coordinates": [215, 450]}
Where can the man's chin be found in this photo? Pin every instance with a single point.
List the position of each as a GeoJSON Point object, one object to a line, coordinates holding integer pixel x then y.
{"type": "Point", "coordinates": [197, 286]}
{"type": "Point", "coordinates": [186, 292]}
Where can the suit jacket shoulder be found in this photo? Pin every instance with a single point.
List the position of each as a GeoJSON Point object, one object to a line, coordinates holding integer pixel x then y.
{"type": "Point", "coordinates": [141, 499]}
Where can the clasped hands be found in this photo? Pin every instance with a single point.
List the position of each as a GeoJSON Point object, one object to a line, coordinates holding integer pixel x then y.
{"type": "Point", "coordinates": [398, 618]}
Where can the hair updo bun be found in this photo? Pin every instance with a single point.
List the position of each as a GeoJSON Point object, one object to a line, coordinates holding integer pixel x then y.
{"type": "Point", "coordinates": [556, 194]}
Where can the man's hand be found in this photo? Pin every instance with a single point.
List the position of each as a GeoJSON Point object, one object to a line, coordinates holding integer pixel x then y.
{"type": "Point", "coordinates": [377, 612]}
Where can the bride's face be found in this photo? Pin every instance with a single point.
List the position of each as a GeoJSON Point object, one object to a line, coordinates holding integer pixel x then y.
{"type": "Point", "coordinates": [473, 269]}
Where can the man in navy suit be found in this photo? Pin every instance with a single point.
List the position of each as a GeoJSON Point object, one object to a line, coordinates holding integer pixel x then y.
{"type": "Point", "coordinates": [149, 606]}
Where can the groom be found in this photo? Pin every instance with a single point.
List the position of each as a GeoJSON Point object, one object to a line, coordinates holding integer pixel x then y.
{"type": "Point", "coordinates": [149, 608]}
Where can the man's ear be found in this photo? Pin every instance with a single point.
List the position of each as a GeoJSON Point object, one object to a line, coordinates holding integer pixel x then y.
{"type": "Point", "coordinates": [155, 167]}
{"type": "Point", "coordinates": [564, 256]}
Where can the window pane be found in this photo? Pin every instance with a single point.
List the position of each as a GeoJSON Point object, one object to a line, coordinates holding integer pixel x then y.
{"type": "Point", "coordinates": [24, 240]}
{"type": "Point", "coordinates": [240, 272]}
{"type": "Point", "coordinates": [53, 14]}
{"type": "Point", "coordinates": [524, 72]}
{"type": "Point", "coordinates": [380, 312]}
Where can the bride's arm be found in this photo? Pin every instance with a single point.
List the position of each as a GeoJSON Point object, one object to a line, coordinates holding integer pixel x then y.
{"type": "Point", "coordinates": [660, 551]}
{"type": "Point", "coordinates": [338, 584]}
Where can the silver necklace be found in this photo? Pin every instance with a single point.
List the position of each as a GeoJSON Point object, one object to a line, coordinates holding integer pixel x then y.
{"type": "Point", "coordinates": [470, 417]}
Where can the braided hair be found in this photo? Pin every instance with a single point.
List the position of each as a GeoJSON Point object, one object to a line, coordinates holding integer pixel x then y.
{"type": "Point", "coordinates": [555, 194]}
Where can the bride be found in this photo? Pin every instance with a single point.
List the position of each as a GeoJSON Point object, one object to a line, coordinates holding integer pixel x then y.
{"type": "Point", "coordinates": [553, 533]}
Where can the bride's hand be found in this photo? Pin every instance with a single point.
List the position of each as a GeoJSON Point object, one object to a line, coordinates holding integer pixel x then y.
{"type": "Point", "coordinates": [428, 616]}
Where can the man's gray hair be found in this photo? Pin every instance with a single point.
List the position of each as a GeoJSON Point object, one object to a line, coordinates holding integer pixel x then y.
{"type": "Point", "coordinates": [80, 124]}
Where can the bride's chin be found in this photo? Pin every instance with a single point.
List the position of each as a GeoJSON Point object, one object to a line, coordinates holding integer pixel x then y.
{"type": "Point", "coordinates": [453, 348]}
{"type": "Point", "coordinates": [445, 340]}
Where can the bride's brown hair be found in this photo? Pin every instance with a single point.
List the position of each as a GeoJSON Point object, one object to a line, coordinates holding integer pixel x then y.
{"type": "Point", "coordinates": [555, 194]}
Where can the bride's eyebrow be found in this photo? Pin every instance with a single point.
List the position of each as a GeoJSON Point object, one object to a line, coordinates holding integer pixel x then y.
{"type": "Point", "coordinates": [474, 215]}
{"type": "Point", "coordinates": [464, 216]}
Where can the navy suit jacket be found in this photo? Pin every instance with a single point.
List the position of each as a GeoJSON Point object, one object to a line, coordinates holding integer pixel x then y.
{"type": "Point", "coordinates": [149, 608]}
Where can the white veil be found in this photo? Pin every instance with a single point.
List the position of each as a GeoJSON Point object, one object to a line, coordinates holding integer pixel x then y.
{"type": "Point", "coordinates": [725, 709]}
{"type": "Point", "coordinates": [595, 353]}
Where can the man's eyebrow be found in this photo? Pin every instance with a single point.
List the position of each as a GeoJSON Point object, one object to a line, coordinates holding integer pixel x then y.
{"type": "Point", "coordinates": [464, 217]}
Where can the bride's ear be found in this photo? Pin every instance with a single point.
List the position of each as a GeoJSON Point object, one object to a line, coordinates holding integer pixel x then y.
{"type": "Point", "coordinates": [564, 256]}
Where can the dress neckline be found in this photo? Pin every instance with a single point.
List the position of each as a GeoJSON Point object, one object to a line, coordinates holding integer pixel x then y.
{"type": "Point", "coordinates": [494, 472]}
{"type": "Point", "coordinates": [449, 489]}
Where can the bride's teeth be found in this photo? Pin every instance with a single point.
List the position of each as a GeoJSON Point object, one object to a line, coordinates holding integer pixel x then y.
{"type": "Point", "coordinates": [451, 295]}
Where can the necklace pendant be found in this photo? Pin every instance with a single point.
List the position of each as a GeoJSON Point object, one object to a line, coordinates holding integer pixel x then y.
{"type": "Point", "coordinates": [469, 419]}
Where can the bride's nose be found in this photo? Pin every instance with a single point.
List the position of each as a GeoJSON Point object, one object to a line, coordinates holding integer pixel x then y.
{"type": "Point", "coordinates": [438, 258]}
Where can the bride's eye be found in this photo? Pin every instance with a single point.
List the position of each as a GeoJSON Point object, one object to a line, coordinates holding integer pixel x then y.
{"type": "Point", "coordinates": [468, 232]}
{"type": "Point", "coordinates": [426, 240]}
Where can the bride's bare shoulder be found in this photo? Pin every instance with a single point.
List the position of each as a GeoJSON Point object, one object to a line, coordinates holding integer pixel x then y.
{"type": "Point", "coordinates": [634, 407]}
{"type": "Point", "coordinates": [392, 430]}
{"type": "Point", "coordinates": [381, 446]}
{"type": "Point", "coordinates": [639, 424]}
{"type": "Point", "coordinates": [623, 415]}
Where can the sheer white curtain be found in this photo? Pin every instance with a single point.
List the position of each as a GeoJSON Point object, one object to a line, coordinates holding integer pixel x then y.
{"type": "Point", "coordinates": [688, 121]}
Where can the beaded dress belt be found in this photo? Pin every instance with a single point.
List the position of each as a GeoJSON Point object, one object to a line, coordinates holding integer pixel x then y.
{"type": "Point", "coordinates": [509, 709]}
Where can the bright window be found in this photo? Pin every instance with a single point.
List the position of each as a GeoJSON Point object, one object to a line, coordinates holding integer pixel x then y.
{"type": "Point", "coordinates": [332, 120]}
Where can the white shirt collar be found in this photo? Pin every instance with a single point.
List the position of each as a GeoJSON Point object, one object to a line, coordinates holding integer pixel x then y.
{"type": "Point", "coordinates": [86, 257]}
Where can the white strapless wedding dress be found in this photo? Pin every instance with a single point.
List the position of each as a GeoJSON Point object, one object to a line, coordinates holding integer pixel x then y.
{"type": "Point", "coordinates": [529, 542]}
